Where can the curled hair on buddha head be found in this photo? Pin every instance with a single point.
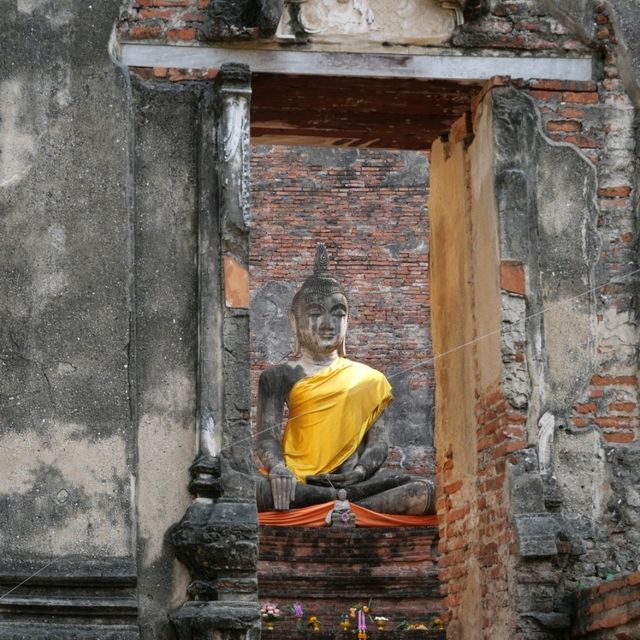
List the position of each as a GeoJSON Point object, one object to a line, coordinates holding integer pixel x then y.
{"type": "Point", "coordinates": [319, 284]}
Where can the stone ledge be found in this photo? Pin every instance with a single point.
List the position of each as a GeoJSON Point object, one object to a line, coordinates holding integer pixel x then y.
{"type": "Point", "coordinates": [21, 630]}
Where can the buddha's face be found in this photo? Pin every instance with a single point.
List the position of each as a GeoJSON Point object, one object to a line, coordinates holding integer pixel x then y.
{"type": "Point", "coordinates": [321, 323]}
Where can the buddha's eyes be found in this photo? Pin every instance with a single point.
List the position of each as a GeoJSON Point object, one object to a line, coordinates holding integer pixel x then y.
{"type": "Point", "coordinates": [315, 311]}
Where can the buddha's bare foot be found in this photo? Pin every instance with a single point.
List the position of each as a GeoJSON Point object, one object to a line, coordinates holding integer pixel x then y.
{"type": "Point", "coordinates": [382, 481]}
{"type": "Point", "coordinates": [417, 497]}
{"type": "Point", "coordinates": [337, 480]}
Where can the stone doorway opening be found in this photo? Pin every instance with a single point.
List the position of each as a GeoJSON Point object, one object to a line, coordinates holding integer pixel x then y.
{"type": "Point", "coordinates": [345, 161]}
{"type": "Point", "coordinates": [361, 185]}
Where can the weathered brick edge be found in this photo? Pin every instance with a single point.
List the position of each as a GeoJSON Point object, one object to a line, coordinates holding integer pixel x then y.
{"type": "Point", "coordinates": [610, 609]}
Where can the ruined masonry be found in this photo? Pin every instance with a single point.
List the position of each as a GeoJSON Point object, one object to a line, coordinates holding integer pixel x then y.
{"type": "Point", "coordinates": [168, 166]}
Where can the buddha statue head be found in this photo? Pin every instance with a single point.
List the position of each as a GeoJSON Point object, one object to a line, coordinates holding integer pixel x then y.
{"type": "Point", "coordinates": [319, 310]}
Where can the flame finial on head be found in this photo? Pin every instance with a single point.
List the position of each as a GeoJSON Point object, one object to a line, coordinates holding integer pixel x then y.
{"type": "Point", "coordinates": [321, 264]}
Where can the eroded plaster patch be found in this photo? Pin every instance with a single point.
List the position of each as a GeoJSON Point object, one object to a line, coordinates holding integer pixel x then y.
{"type": "Point", "coordinates": [17, 142]}
{"type": "Point", "coordinates": [162, 494]}
{"type": "Point", "coordinates": [73, 480]}
{"type": "Point", "coordinates": [59, 445]}
{"type": "Point", "coordinates": [58, 13]}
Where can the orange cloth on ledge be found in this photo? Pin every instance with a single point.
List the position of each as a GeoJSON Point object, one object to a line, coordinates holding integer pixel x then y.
{"type": "Point", "coordinates": [314, 516]}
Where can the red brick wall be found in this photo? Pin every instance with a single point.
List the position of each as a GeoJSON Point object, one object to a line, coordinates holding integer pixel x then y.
{"type": "Point", "coordinates": [395, 570]}
{"type": "Point", "coordinates": [370, 208]}
{"type": "Point", "coordinates": [516, 25]}
{"type": "Point", "coordinates": [478, 528]}
{"type": "Point", "coordinates": [610, 610]}
{"type": "Point", "coordinates": [166, 19]}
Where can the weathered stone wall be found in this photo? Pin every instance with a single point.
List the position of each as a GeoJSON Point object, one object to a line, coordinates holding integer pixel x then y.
{"type": "Point", "coordinates": [369, 207]}
{"type": "Point", "coordinates": [98, 332]}
{"type": "Point", "coordinates": [67, 431]}
{"type": "Point", "coordinates": [599, 119]}
{"type": "Point", "coordinates": [565, 190]}
{"type": "Point", "coordinates": [166, 134]}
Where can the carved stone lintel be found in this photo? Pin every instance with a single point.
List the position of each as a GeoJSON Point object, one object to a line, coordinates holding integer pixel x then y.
{"type": "Point", "coordinates": [370, 21]}
{"type": "Point", "coordinates": [228, 20]}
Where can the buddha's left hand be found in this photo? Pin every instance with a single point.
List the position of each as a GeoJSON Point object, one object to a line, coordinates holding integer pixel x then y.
{"type": "Point", "coordinates": [337, 480]}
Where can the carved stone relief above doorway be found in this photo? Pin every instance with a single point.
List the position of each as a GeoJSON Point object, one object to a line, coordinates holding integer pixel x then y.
{"type": "Point", "coordinates": [416, 22]}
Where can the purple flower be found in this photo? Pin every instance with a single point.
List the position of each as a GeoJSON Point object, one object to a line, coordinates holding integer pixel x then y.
{"type": "Point", "coordinates": [298, 612]}
{"type": "Point", "coordinates": [362, 623]}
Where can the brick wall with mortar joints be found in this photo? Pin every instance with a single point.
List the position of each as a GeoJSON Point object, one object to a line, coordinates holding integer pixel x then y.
{"type": "Point", "coordinates": [376, 233]}
{"type": "Point", "coordinates": [610, 609]}
{"type": "Point", "coordinates": [599, 118]}
{"type": "Point", "coordinates": [167, 20]}
{"type": "Point", "coordinates": [475, 520]}
{"type": "Point", "coordinates": [475, 517]}
{"type": "Point", "coordinates": [521, 24]}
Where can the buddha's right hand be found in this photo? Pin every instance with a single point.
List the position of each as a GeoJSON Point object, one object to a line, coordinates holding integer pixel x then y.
{"type": "Point", "coordinates": [283, 486]}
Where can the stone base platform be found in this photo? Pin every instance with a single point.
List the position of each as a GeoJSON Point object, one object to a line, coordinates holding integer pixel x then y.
{"type": "Point", "coordinates": [328, 570]}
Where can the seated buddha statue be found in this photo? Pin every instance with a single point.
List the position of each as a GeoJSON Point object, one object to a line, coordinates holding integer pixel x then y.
{"type": "Point", "coordinates": [333, 436]}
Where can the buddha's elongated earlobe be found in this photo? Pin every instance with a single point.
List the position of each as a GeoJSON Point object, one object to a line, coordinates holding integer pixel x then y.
{"type": "Point", "coordinates": [296, 346]}
{"type": "Point", "coordinates": [342, 347]}
{"type": "Point", "coordinates": [293, 323]}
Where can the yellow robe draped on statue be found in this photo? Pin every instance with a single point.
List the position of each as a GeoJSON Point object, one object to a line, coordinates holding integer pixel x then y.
{"type": "Point", "coordinates": [330, 412]}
